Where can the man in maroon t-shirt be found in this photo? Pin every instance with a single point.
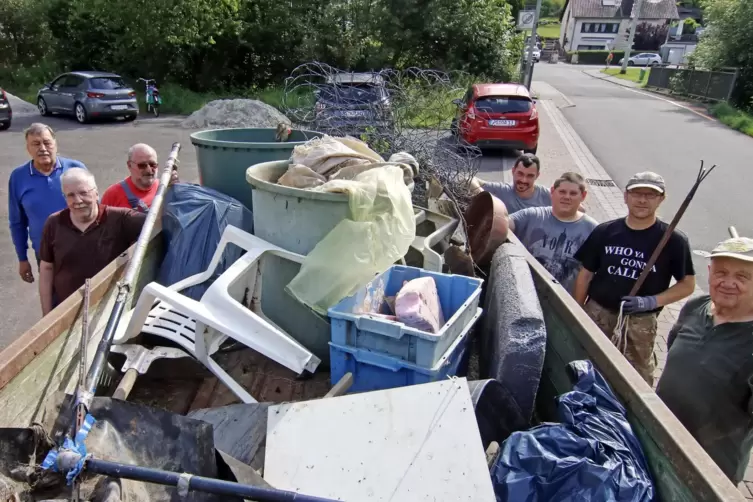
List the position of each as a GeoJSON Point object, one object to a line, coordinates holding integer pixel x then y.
{"type": "Point", "coordinates": [82, 239]}
{"type": "Point", "coordinates": [137, 191]}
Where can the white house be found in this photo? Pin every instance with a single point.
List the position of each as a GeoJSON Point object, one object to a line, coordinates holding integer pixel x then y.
{"type": "Point", "coordinates": [603, 24]}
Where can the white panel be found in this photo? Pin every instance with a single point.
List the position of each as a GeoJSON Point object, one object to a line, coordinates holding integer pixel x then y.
{"type": "Point", "coordinates": [416, 443]}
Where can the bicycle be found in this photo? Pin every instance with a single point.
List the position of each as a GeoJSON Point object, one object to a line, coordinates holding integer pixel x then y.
{"type": "Point", "coordinates": [153, 98]}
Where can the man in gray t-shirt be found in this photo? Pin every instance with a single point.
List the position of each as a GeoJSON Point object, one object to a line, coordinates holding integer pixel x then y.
{"type": "Point", "coordinates": [553, 234]}
{"type": "Point", "coordinates": [514, 202]}
{"type": "Point", "coordinates": [523, 192]}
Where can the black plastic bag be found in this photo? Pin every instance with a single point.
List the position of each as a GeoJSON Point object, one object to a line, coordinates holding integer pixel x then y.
{"type": "Point", "coordinates": [592, 455]}
{"type": "Point", "coordinates": [193, 221]}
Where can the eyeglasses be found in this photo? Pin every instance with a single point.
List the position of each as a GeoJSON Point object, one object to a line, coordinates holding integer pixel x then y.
{"type": "Point", "coordinates": [81, 194]}
{"type": "Point", "coordinates": [143, 165]}
{"type": "Point", "coordinates": [645, 195]}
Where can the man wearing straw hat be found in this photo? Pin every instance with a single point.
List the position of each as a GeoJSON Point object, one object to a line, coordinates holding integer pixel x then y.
{"type": "Point", "coordinates": [708, 377]}
{"type": "Point", "coordinates": [612, 259]}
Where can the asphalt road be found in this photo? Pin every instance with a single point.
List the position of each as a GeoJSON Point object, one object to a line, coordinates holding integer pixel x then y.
{"type": "Point", "coordinates": [102, 147]}
{"type": "Point", "coordinates": [628, 132]}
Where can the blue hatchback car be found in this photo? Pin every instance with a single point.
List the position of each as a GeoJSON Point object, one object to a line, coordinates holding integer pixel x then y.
{"type": "Point", "coordinates": [351, 103]}
{"type": "Point", "coordinates": [87, 95]}
{"type": "Point", "coordinates": [6, 114]}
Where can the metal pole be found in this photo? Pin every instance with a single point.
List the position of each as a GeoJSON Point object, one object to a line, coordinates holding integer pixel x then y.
{"type": "Point", "coordinates": [187, 483]}
{"type": "Point", "coordinates": [633, 25]}
{"type": "Point", "coordinates": [531, 45]}
{"type": "Point", "coordinates": [85, 394]}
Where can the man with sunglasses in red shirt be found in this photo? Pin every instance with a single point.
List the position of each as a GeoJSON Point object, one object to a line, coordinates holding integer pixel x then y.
{"type": "Point", "coordinates": [137, 191]}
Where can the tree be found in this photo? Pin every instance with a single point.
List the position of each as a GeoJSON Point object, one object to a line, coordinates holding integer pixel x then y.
{"type": "Point", "coordinates": [551, 8]}
{"type": "Point", "coordinates": [726, 43]}
{"type": "Point", "coordinates": [649, 37]}
{"type": "Point", "coordinates": [238, 44]}
{"type": "Point", "coordinates": [476, 36]}
{"type": "Point", "coordinates": [24, 33]}
{"type": "Point", "coordinates": [152, 38]}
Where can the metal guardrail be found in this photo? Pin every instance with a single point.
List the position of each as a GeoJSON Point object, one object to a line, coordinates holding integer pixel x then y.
{"type": "Point", "coordinates": [716, 85]}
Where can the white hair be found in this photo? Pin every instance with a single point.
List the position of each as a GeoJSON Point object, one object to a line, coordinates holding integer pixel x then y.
{"type": "Point", "coordinates": [78, 174]}
{"type": "Point", "coordinates": [140, 146]}
{"type": "Point", "coordinates": [37, 129]}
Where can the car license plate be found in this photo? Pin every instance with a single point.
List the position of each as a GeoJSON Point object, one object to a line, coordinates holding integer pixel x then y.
{"type": "Point", "coordinates": [354, 114]}
{"type": "Point", "coordinates": [502, 123]}
{"type": "Point", "coordinates": [119, 107]}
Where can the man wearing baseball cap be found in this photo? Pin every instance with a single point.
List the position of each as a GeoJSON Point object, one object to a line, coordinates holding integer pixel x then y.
{"type": "Point", "coordinates": [709, 372]}
{"type": "Point", "coordinates": [612, 259]}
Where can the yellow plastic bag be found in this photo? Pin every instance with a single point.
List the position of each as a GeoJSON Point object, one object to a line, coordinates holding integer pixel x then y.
{"type": "Point", "coordinates": [380, 232]}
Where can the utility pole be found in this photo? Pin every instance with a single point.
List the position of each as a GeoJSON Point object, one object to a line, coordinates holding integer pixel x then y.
{"type": "Point", "coordinates": [633, 25]}
{"type": "Point", "coordinates": [532, 44]}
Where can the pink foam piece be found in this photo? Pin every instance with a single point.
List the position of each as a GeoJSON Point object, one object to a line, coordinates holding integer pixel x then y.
{"type": "Point", "coordinates": [417, 305]}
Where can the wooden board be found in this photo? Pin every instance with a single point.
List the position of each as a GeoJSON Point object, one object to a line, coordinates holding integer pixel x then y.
{"type": "Point", "coordinates": [416, 443]}
{"type": "Point", "coordinates": [45, 359]}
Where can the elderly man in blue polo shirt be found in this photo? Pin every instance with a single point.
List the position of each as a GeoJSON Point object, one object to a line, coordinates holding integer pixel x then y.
{"type": "Point", "coordinates": [34, 193]}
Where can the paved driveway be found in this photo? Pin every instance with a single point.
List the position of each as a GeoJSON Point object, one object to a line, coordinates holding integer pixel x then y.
{"type": "Point", "coordinates": [102, 147]}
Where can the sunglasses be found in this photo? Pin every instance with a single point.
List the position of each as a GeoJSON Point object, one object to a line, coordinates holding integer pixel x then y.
{"type": "Point", "coordinates": [144, 165]}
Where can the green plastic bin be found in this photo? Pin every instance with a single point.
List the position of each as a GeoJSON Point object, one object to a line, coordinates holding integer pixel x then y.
{"type": "Point", "coordinates": [224, 155]}
{"type": "Point", "coordinates": [292, 218]}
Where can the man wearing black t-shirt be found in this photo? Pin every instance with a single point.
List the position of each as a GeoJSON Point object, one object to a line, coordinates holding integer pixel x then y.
{"type": "Point", "coordinates": [612, 259]}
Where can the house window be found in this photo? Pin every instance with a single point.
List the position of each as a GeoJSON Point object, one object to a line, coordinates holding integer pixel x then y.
{"type": "Point", "coordinates": [599, 28]}
{"type": "Point", "coordinates": [591, 48]}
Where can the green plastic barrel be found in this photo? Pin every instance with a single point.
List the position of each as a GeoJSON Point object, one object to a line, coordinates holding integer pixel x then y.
{"type": "Point", "coordinates": [224, 155]}
{"type": "Point", "coordinates": [292, 218]}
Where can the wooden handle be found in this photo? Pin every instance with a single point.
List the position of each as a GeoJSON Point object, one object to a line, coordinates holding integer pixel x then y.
{"type": "Point", "coordinates": [491, 453]}
{"type": "Point", "coordinates": [340, 387]}
{"type": "Point", "coordinates": [126, 385]}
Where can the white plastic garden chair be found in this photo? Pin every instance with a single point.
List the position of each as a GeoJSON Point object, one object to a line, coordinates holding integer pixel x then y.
{"type": "Point", "coordinates": [165, 312]}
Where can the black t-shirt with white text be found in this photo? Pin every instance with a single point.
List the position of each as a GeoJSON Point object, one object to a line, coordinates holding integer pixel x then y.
{"type": "Point", "coordinates": [617, 255]}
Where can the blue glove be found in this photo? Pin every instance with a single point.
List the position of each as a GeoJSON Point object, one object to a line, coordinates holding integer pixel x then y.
{"type": "Point", "coordinates": [636, 304]}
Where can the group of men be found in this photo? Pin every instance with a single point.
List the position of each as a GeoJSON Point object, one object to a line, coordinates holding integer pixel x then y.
{"type": "Point", "coordinates": [707, 381]}
{"type": "Point", "coordinates": [54, 202]}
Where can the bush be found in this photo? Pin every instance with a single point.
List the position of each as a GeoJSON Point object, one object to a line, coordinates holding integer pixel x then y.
{"type": "Point", "coordinates": [25, 81]}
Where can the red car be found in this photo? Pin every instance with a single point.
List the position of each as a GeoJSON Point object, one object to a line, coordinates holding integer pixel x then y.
{"type": "Point", "coordinates": [498, 115]}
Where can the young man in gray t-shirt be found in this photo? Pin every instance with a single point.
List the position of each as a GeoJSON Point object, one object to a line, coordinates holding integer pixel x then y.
{"type": "Point", "coordinates": [553, 234]}
{"type": "Point", "coordinates": [523, 192]}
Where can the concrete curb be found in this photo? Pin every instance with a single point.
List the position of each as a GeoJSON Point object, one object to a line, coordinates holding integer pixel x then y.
{"type": "Point", "coordinates": [597, 74]}
{"type": "Point", "coordinates": [608, 198]}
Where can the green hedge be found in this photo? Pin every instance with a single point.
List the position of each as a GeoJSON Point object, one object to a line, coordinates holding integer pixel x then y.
{"type": "Point", "coordinates": [598, 57]}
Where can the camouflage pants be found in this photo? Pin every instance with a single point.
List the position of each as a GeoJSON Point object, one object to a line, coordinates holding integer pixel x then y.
{"type": "Point", "coordinates": [641, 335]}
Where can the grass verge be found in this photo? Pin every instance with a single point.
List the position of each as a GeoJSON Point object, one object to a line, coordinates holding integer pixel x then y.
{"type": "Point", "coordinates": [633, 74]}
{"type": "Point", "coordinates": [732, 117]}
{"type": "Point", "coordinates": [551, 30]}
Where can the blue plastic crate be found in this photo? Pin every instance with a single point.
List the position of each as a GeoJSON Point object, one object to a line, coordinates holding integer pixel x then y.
{"type": "Point", "coordinates": [458, 296]}
{"type": "Point", "coordinates": [375, 371]}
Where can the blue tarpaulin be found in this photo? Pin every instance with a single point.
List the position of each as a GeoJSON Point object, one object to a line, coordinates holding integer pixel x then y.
{"type": "Point", "coordinates": [592, 455]}
{"type": "Point", "coordinates": [192, 222]}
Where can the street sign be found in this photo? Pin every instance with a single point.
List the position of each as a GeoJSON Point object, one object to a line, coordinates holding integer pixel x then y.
{"type": "Point", "coordinates": [525, 19]}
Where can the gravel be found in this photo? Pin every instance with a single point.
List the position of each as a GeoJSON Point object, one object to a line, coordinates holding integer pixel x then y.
{"type": "Point", "coordinates": [235, 113]}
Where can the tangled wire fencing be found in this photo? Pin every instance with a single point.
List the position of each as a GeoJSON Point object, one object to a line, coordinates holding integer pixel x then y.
{"type": "Point", "coordinates": [409, 110]}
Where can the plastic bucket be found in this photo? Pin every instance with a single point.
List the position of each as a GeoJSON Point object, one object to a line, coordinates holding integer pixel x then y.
{"type": "Point", "coordinates": [292, 218]}
{"type": "Point", "coordinates": [224, 155]}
